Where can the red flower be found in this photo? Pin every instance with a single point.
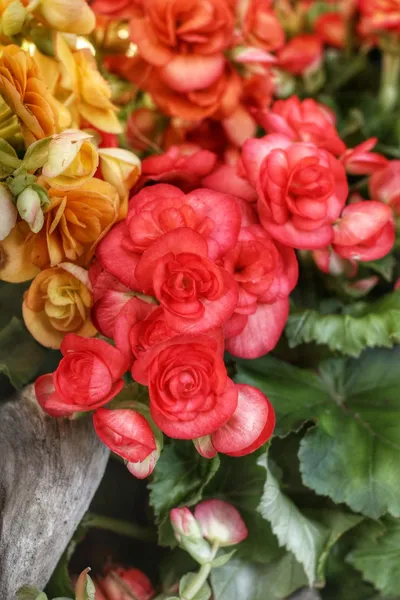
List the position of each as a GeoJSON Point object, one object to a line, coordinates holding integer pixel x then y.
{"type": "Point", "coordinates": [226, 179]}
{"type": "Point", "coordinates": [183, 165]}
{"type": "Point", "coordinates": [190, 392]}
{"type": "Point", "coordinates": [261, 28]}
{"type": "Point", "coordinates": [301, 189]}
{"type": "Point", "coordinates": [266, 273]}
{"type": "Point", "coordinates": [109, 587]}
{"type": "Point", "coordinates": [301, 55]}
{"type": "Point", "coordinates": [380, 15]}
{"type": "Point", "coordinates": [109, 297]}
{"type": "Point", "coordinates": [250, 427]}
{"type": "Point", "coordinates": [185, 39]}
{"type": "Point", "coordinates": [195, 293]}
{"type": "Point", "coordinates": [331, 28]}
{"type": "Point", "coordinates": [384, 185]}
{"type": "Point", "coordinates": [89, 376]}
{"type": "Point", "coordinates": [125, 432]}
{"type": "Point", "coordinates": [163, 208]}
{"type": "Point", "coordinates": [139, 327]}
{"type": "Point", "coordinates": [360, 161]}
{"type": "Point", "coordinates": [304, 121]}
{"type": "Point", "coordinates": [365, 231]}
{"type": "Point", "coordinates": [116, 9]}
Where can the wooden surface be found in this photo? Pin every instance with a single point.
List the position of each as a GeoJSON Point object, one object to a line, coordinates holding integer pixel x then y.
{"type": "Point", "coordinates": [49, 471]}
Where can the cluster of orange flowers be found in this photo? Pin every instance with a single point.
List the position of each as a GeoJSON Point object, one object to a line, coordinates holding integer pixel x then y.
{"type": "Point", "coordinates": [63, 180]}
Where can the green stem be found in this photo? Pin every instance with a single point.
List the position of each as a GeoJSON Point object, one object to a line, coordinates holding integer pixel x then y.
{"type": "Point", "coordinates": [389, 88]}
{"type": "Point", "coordinates": [199, 580]}
{"type": "Point", "coordinates": [121, 527]}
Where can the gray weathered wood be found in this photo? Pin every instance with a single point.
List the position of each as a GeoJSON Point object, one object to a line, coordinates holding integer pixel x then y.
{"type": "Point", "coordinates": [49, 471]}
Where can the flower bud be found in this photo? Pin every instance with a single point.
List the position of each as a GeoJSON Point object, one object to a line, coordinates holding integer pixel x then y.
{"type": "Point", "coordinates": [220, 522]}
{"type": "Point", "coordinates": [120, 168]}
{"type": "Point", "coordinates": [72, 160]}
{"type": "Point", "coordinates": [124, 584]}
{"type": "Point", "coordinates": [72, 16]}
{"type": "Point", "coordinates": [188, 534]}
{"type": "Point", "coordinates": [30, 210]}
{"type": "Point", "coordinates": [8, 212]}
{"type": "Point", "coordinates": [184, 524]}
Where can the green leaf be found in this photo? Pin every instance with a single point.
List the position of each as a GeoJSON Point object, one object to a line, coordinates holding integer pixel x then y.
{"type": "Point", "coordinates": [378, 324]}
{"type": "Point", "coordinates": [29, 592]}
{"type": "Point", "coordinates": [37, 154]}
{"type": "Point", "coordinates": [20, 355]}
{"type": "Point", "coordinates": [9, 160]}
{"type": "Point", "coordinates": [296, 394]}
{"type": "Point", "coordinates": [240, 580]}
{"type": "Point", "coordinates": [352, 455]}
{"type": "Point", "coordinates": [240, 481]}
{"type": "Point", "coordinates": [221, 560]}
{"type": "Point", "coordinates": [377, 555]}
{"type": "Point", "coordinates": [353, 452]}
{"type": "Point", "coordinates": [203, 594]}
{"type": "Point", "coordinates": [302, 536]}
{"type": "Point", "coordinates": [179, 479]}
{"type": "Point", "coordinates": [384, 266]}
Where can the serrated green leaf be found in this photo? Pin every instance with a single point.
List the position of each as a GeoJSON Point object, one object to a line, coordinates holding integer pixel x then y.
{"type": "Point", "coordinates": [20, 355]}
{"type": "Point", "coordinates": [179, 479]}
{"type": "Point", "coordinates": [302, 536]}
{"type": "Point", "coordinates": [352, 455]}
{"type": "Point", "coordinates": [353, 452]}
{"type": "Point", "coordinates": [377, 555]}
{"type": "Point", "coordinates": [240, 580]}
{"type": "Point", "coordinates": [203, 594]}
{"type": "Point", "coordinates": [37, 154]}
{"type": "Point", "coordinates": [378, 324]}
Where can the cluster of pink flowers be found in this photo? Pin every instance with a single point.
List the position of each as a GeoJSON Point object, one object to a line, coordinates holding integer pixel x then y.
{"type": "Point", "coordinates": [188, 274]}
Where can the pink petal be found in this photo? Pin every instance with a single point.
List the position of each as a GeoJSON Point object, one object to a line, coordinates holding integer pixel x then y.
{"type": "Point", "coordinates": [262, 331]}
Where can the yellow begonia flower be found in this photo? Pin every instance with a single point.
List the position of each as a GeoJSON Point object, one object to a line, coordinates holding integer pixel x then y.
{"type": "Point", "coordinates": [26, 93]}
{"type": "Point", "coordinates": [76, 83]}
{"type": "Point", "coordinates": [16, 265]}
{"type": "Point", "coordinates": [72, 160]}
{"type": "Point", "coordinates": [58, 302]}
{"type": "Point", "coordinates": [74, 222]}
{"type": "Point", "coordinates": [121, 169]}
{"type": "Point", "coordinates": [70, 16]}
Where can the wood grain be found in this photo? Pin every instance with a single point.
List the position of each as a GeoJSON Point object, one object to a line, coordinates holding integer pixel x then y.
{"type": "Point", "coordinates": [49, 472]}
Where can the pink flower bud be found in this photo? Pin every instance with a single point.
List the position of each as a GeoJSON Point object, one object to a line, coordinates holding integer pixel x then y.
{"type": "Point", "coordinates": [184, 524]}
{"type": "Point", "coordinates": [124, 584]}
{"type": "Point", "coordinates": [188, 534]}
{"type": "Point", "coordinates": [220, 522]}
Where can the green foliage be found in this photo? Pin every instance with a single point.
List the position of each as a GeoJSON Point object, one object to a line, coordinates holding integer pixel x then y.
{"type": "Point", "coordinates": [376, 324]}
{"type": "Point", "coordinates": [28, 592]}
{"type": "Point", "coordinates": [377, 554]}
{"type": "Point", "coordinates": [179, 479]}
{"type": "Point", "coordinates": [352, 453]}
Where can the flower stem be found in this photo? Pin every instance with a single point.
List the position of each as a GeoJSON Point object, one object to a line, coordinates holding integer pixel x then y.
{"type": "Point", "coordinates": [121, 527]}
{"type": "Point", "coordinates": [199, 580]}
{"type": "Point", "coordinates": [389, 89]}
